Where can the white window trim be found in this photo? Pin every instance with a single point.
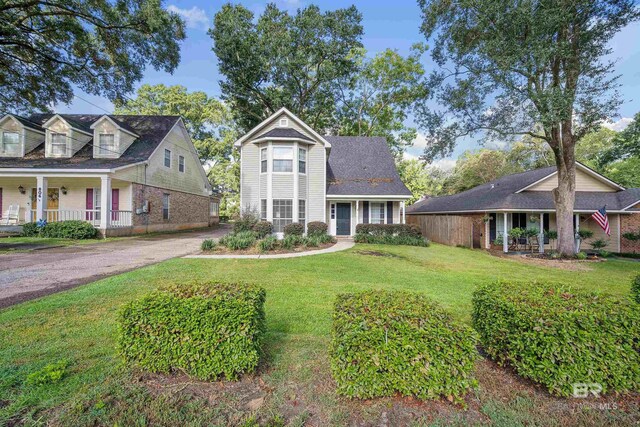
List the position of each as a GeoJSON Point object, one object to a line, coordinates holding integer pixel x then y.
{"type": "Point", "coordinates": [273, 221]}
{"type": "Point", "coordinates": [384, 210]}
{"type": "Point", "coordinates": [111, 151]}
{"type": "Point", "coordinates": [266, 150]}
{"type": "Point", "coordinates": [184, 164]}
{"type": "Point", "coordinates": [283, 123]}
{"type": "Point", "coordinates": [66, 143]}
{"type": "Point", "coordinates": [3, 132]}
{"type": "Point", "coordinates": [306, 163]}
{"type": "Point", "coordinates": [273, 159]}
{"type": "Point", "coordinates": [164, 158]}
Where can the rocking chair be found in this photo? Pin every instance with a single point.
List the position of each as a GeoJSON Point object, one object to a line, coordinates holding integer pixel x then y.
{"type": "Point", "coordinates": [534, 244]}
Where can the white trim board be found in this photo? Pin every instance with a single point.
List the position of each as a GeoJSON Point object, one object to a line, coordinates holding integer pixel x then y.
{"type": "Point", "coordinates": [584, 169]}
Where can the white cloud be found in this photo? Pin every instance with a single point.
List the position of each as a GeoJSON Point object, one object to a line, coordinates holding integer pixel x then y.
{"type": "Point", "coordinates": [420, 141]}
{"type": "Point", "coordinates": [194, 17]}
{"type": "Point", "coordinates": [618, 125]}
{"type": "Point", "coordinates": [444, 164]}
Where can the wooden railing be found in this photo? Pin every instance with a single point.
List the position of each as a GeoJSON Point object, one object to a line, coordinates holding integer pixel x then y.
{"type": "Point", "coordinates": [92, 216]}
{"type": "Point", "coordinates": [121, 219]}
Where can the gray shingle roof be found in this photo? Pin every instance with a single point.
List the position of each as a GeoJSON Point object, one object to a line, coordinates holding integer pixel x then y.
{"type": "Point", "coordinates": [28, 123]}
{"type": "Point", "coordinates": [284, 133]}
{"type": "Point", "coordinates": [150, 129]}
{"type": "Point", "coordinates": [501, 194]}
{"type": "Point", "coordinates": [362, 166]}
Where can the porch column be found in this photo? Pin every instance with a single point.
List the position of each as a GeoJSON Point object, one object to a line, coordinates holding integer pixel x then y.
{"type": "Point", "coordinates": [357, 212]}
{"type": "Point", "coordinates": [541, 236]}
{"type": "Point", "coordinates": [577, 237]}
{"type": "Point", "coordinates": [404, 216]}
{"type": "Point", "coordinates": [105, 202]}
{"type": "Point", "coordinates": [505, 237]}
{"type": "Point", "coordinates": [41, 197]}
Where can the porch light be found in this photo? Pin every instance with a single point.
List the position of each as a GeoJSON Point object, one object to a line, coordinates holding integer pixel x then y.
{"type": "Point", "coordinates": [21, 189]}
{"type": "Point", "coordinates": [63, 189]}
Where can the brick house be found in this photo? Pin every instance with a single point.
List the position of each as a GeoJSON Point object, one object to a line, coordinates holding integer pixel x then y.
{"type": "Point", "coordinates": [483, 216]}
{"type": "Point", "coordinates": [125, 174]}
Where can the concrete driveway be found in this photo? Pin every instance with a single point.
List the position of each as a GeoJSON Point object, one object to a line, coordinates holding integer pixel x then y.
{"type": "Point", "coordinates": [29, 275]}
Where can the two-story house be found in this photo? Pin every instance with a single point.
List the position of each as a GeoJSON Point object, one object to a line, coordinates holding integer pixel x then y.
{"type": "Point", "coordinates": [125, 174]}
{"type": "Point", "coordinates": [290, 173]}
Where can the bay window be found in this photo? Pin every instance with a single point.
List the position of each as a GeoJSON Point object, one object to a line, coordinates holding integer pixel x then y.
{"type": "Point", "coordinates": [263, 160]}
{"type": "Point", "coordinates": [282, 214]}
{"type": "Point", "coordinates": [263, 209]}
{"type": "Point", "coordinates": [283, 159]}
{"type": "Point", "coordinates": [302, 214]}
{"type": "Point", "coordinates": [377, 213]}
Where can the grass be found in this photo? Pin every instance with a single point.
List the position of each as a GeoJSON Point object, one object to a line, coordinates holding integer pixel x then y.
{"type": "Point", "coordinates": [76, 329]}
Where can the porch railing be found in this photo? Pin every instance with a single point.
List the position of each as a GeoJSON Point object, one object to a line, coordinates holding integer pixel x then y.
{"type": "Point", "coordinates": [118, 218]}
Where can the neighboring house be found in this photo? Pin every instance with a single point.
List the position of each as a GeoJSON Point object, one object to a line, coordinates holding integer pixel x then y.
{"type": "Point", "coordinates": [481, 216]}
{"type": "Point", "coordinates": [290, 173]}
{"type": "Point", "coordinates": [123, 174]}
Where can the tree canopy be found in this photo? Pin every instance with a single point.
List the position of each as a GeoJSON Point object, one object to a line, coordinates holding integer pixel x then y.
{"type": "Point", "coordinates": [284, 60]}
{"type": "Point", "coordinates": [100, 46]}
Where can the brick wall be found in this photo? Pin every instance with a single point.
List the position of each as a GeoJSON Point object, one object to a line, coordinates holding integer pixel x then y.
{"type": "Point", "coordinates": [630, 224]}
{"type": "Point", "coordinates": [185, 210]}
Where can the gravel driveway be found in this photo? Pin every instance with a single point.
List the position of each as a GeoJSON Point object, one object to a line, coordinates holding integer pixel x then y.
{"type": "Point", "coordinates": [29, 275]}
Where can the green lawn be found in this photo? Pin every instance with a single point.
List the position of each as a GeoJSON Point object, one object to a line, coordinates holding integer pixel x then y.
{"type": "Point", "coordinates": [78, 327]}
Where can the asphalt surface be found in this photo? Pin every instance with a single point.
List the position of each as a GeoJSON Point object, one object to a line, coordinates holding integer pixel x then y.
{"type": "Point", "coordinates": [28, 275]}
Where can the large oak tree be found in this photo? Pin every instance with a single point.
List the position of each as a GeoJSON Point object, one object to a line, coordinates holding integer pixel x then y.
{"type": "Point", "coordinates": [508, 66]}
{"type": "Point", "coordinates": [100, 46]}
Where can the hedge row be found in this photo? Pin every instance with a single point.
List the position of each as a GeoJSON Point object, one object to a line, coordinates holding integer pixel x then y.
{"type": "Point", "coordinates": [206, 330]}
{"type": "Point", "coordinates": [72, 229]}
{"type": "Point", "coordinates": [375, 239]}
{"type": "Point", "coordinates": [559, 337]}
{"type": "Point", "coordinates": [385, 343]}
{"type": "Point", "coordinates": [389, 229]}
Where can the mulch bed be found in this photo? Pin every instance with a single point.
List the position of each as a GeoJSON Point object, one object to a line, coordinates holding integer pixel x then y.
{"type": "Point", "coordinates": [221, 250]}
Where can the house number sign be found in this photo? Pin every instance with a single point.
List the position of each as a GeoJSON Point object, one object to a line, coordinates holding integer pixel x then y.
{"type": "Point", "coordinates": [39, 194]}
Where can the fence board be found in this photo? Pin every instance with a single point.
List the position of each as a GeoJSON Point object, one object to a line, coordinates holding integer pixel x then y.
{"type": "Point", "coordinates": [446, 229]}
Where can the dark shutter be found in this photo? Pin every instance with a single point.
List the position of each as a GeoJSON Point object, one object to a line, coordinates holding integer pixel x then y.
{"type": "Point", "coordinates": [89, 204]}
{"type": "Point", "coordinates": [365, 212]}
{"type": "Point", "coordinates": [389, 212]}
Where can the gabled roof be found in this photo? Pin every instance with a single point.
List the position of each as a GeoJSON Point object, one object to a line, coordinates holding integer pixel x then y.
{"type": "Point", "coordinates": [269, 119]}
{"type": "Point", "coordinates": [504, 194]}
{"type": "Point", "coordinates": [150, 129]}
{"type": "Point", "coordinates": [583, 168]}
{"type": "Point", "coordinates": [71, 121]}
{"type": "Point", "coordinates": [25, 122]}
{"type": "Point", "coordinates": [362, 166]}
{"type": "Point", "coordinates": [284, 133]}
{"type": "Point", "coordinates": [118, 123]}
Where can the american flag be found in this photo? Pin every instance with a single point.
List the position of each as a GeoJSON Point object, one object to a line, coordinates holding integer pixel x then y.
{"type": "Point", "coordinates": [600, 216]}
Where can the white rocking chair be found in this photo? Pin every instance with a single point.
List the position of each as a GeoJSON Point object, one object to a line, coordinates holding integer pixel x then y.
{"type": "Point", "coordinates": [11, 216]}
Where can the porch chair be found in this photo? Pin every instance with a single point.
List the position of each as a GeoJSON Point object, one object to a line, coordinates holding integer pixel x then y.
{"type": "Point", "coordinates": [534, 244]}
{"type": "Point", "coordinates": [11, 216]}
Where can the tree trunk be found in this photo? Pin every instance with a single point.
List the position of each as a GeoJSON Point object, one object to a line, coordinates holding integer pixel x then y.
{"type": "Point", "coordinates": [565, 194]}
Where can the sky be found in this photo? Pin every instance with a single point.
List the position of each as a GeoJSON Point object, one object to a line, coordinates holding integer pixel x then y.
{"type": "Point", "coordinates": [386, 24]}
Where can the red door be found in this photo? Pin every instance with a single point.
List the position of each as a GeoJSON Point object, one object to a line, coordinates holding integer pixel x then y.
{"type": "Point", "coordinates": [115, 204]}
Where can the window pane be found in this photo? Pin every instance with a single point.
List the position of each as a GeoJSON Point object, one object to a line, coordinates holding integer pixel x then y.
{"type": "Point", "coordinates": [181, 163]}
{"type": "Point", "coordinates": [283, 153]}
{"type": "Point", "coordinates": [167, 158]}
{"type": "Point", "coordinates": [107, 143]}
{"type": "Point", "coordinates": [59, 144]}
{"type": "Point", "coordinates": [165, 206]}
{"type": "Point", "coordinates": [377, 213]}
{"type": "Point", "coordinates": [282, 165]}
{"type": "Point", "coordinates": [282, 214]}
{"type": "Point", "coordinates": [263, 154]}
{"type": "Point", "coordinates": [263, 209]}
{"type": "Point", "coordinates": [302, 214]}
{"type": "Point", "coordinates": [11, 143]}
{"type": "Point", "coordinates": [263, 160]}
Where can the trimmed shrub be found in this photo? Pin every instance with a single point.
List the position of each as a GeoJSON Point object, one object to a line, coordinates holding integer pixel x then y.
{"type": "Point", "coordinates": [324, 238]}
{"type": "Point", "coordinates": [385, 239]}
{"type": "Point", "coordinates": [559, 337]}
{"type": "Point", "coordinates": [73, 229]}
{"type": "Point", "coordinates": [635, 289]}
{"type": "Point", "coordinates": [208, 245]}
{"type": "Point", "coordinates": [263, 229]}
{"type": "Point", "coordinates": [317, 228]}
{"type": "Point", "coordinates": [581, 256]}
{"type": "Point", "coordinates": [385, 343]}
{"type": "Point", "coordinates": [294, 229]}
{"type": "Point", "coordinates": [267, 244]}
{"type": "Point", "coordinates": [411, 230]}
{"type": "Point", "coordinates": [245, 222]}
{"type": "Point", "coordinates": [239, 241]}
{"type": "Point", "coordinates": [206, 330]}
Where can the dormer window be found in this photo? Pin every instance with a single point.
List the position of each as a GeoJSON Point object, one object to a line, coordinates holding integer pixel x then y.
{"type": "Point", "coordinates": [59, 144]}
{"type": "Point", "coordinates": [107, 144]}
{"type": "Point", "coordinates": [284, 123]}
{"type": "Point", "coordinates": [10, 143]}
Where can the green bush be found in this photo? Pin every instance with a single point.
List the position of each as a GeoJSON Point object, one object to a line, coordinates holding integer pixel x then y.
{"type": "Point", "coordinates": [385, 343]}
{"type": "Point", "coordinates": [324, 238]}
{"type": "Point", "coordinates": [585, 234]}
{"type": "Point", "coordinates": [267, 244]}
{"type": "Point", "coordinates": [291, 241]}
{"type": "Point", "coordinates": [245, 222]}
{"type": "Point", "coordinates": [205, 330]}
{"type": "Point", "coordinates": [294, 229]}
{"type": "Point", "coordinates": [74, 229]}
{"type": "Point", "coordinates": [559, 337]}
{"type": "Point", "coordinates": [581, 256]}
{"type": "Point", "coordinates": [377, 239]}
{"type": "Point", "coordinates": [239, 241]}
{"type": "Point", "coordinates": [635, 289]}
{"type": "Point", "coordinates": [263, 229]}
{"type": "Point", "coordinates": [208, 245]}
{"type": "Point", "coordinates": [312, 241]}
{"type": "Point", "coordinates": [317, 228]}
{"type": "Point", "coordinates": [598, 244]}
{"type": "Point", "coordinates": [408, 230]}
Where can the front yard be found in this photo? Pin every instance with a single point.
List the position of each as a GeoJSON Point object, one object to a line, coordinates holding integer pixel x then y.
{"type": "Point", "coordinates": [293, 386]}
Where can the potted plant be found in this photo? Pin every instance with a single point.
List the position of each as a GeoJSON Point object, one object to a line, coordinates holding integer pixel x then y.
{"type": "Point", "coordinates": [552, 235]}
{"type": "Point", "coordinates": [516, 234]}
{"type": "Point", "coordinates": [582, 235]}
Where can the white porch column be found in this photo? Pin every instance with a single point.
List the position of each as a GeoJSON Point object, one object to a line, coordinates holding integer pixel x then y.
{"type": "Point", "coordinates": [357, 212]}
{"type": "Point", "coordinates": [541, 236]}
{"type": "Point", "coordinates": [105, 202]}
{"type": "Point", "coordinates": [404, 216]}
{"type": "Point", "coordinates": [577, 238]}
{"type": "Point", "coordinates": [41, 197]}
{"type": "Point", "coordinates": [505, 237]}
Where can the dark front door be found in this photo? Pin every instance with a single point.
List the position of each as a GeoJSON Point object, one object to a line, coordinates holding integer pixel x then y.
{"type": "Point", "coordinates": [343, 219]}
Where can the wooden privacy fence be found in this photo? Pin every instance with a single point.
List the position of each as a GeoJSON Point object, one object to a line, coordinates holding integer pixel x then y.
{"type": "Point", "coordinates": [446, 229]}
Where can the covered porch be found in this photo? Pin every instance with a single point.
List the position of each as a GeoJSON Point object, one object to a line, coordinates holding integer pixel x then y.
{"type": "Point", "coordinates": [344, 214]}
{"type": "Point", "coordinates": [104, 202]}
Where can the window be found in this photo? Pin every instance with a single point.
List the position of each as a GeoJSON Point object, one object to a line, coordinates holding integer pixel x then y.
{"type": "Point", "coordinates": [302, 214]}
{"type": "Point", "coordinates": [263, 160]}
{"type": "Point", "coordinates": [519, 220]}
{"type": "Point", "coordinates": [283, 159]}
{"type": "Point", "coordinates": [107, 143]}
{"type": "Point", "coordinates": [333, 211]}
{"type": "Point", "coordinates": [377, 213]}
{"type": "Point", "coordinates": [165, 206]}
{"type": "Point", "coordinates": [263, 209]}
{"type": "Point", "coordinates": [181, 163]}
{"type": "Point", "coordinates": [11, 143]}
{"type": "Point", "coordinates": [302, 160]}
{"type": "Point", "coordinates": [214, 208]}
{"type": "Point", "coordinates": [284, 123]}
{"type": "Point", "coordinates": [167, 158]}
{"type": "Point", "coordinates": [59, 144]}
{"type": "Point", "coordinates": [282, 214]}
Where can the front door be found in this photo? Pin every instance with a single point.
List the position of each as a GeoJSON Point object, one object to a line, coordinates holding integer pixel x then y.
{"type": "Point", "coordinates": [53, 203]}
{"type": "Point", "coordinates": [343, 219]}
